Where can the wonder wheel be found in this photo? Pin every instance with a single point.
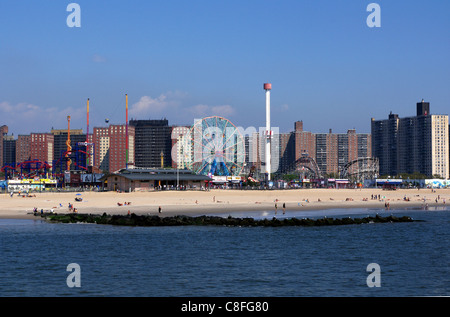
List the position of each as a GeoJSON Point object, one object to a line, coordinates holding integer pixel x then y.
{"type": "Point", "coordinates": [217, 147]}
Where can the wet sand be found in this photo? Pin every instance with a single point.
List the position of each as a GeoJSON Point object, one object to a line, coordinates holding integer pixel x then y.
{"type": "Point", "coordinates": [219, 201]}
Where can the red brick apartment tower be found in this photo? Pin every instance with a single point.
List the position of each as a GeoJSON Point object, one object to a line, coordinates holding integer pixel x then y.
{"type": "Point", "coordinates": [369, 145]}
{"type": "Point", "coordinates": [23, 148]}
{"type": "Point", "coordinates": [352, 145]}
{"type": "Point", "coordinates": [3, 131]}
{"type": "Point", "coordinates": [332, 154]}
{"type": "Point", "coordinates": [117, 146]}
{"type": "Point", "coordinates": [305, 142]}
{"type": "Point", "coordinates": [41, 147]}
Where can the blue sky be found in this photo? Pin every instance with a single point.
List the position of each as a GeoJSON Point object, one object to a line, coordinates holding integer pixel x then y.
{"type": "Point", "coordinates": [182, 60]}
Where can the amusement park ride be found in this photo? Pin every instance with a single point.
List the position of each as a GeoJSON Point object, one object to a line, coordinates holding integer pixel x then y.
{"type": "Point", "coordinates": [74, 158]}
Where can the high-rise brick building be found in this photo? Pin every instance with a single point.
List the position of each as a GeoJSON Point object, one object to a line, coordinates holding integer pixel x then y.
{"type": "Point", "coordinates": [331, 151]}
{"type": "Point", "coordinates": [418, 144]}
{"type": "Point", "coordinates": [23, 148]}
{"type": "Point", "coordinates": [153, 139]}
{"type": "Point", "coordinates": [110, 147]}
{"type": "Point", "coordinates": [117, 145]}
{"type": "Point", "coordinates": [305, 142]}
{"type": "Point", "coordinates": [35, 146]}
{"type": "Point", "coordinates": [9, 150]}
{"type": "Point", "coordinates": [41, 147]}
{"type": "Point", "coordinates": [3, 131]}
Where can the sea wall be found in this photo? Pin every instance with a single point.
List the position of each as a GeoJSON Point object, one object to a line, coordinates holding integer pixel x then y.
{"type": "Point", "coordinates": [153, 221]}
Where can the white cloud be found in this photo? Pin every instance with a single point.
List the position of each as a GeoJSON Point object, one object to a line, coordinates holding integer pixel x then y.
{"type": "Point", "coordinates": [164, 104]}
{"type": "Point", "coordinates": [23, 118]}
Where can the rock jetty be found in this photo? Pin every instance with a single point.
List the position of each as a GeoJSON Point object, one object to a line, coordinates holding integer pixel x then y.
{"type": "Point", "coordinates": [155, 221]}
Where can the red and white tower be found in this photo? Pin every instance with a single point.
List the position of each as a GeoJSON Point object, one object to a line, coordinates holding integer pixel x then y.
{"type": "Point", "coordinates": [268, 136]}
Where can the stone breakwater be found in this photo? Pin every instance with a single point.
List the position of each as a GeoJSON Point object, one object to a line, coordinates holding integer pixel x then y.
{"type": "Point", "coordinates": [154, 221]}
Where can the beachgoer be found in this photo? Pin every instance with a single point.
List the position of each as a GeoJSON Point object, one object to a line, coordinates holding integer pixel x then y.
{"type": "Point", "coordinates": [159, 209]}
{"type": "Point", "coordinates": [276, 208]}
{"type": "Point", "coordinates": [284, 208]}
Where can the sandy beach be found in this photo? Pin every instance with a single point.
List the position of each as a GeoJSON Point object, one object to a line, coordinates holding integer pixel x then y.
{"type": "Point", "coordinates": [219, 201]}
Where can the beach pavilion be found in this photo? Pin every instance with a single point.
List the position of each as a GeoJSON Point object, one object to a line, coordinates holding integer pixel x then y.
{"type": "Point", "coordinates": [145, 179]}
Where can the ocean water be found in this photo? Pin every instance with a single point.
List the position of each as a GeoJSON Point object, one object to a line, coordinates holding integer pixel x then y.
{"type": "Point", "coordinates": [229, 261]}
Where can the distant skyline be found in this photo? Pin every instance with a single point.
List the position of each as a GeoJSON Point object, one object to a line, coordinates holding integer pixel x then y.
{"type": "Point", "coordinates": [182, 60]}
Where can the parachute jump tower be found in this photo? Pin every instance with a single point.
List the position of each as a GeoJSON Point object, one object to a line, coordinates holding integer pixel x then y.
{"type": "Point", "coordinates": [268, 136]}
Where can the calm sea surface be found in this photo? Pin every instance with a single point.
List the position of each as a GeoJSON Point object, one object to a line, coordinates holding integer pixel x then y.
{"type": "Point", "coordinates": [227, 261]}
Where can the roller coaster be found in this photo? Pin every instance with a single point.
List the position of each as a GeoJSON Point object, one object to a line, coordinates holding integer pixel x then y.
{"type": "Point", "coordinates": [26, 169]}
{"type": "Point", "coordinates": [356, 170]}
{"type": "Point", "coordinates": [305, 165]}
{"type": "Point", "coordinates": [36, 168]}
{"type": "Point", "coordinates": [360, 169]}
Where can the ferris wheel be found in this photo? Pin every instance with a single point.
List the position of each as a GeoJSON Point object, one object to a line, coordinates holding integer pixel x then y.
{"type": "Point", "coordinates": [217, 147]}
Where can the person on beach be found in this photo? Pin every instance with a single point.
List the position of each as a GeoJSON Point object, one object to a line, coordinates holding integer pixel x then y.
{"type": "Point", "coordinates": [284, 208]}
{"type": "Point", "coordinates": [276, 208]}
{"type": "Point", "coordinates": [159, 209]}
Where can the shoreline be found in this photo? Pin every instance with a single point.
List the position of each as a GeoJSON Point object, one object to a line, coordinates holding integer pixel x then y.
{"type": "Point", "coordinates": [218, 201]}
